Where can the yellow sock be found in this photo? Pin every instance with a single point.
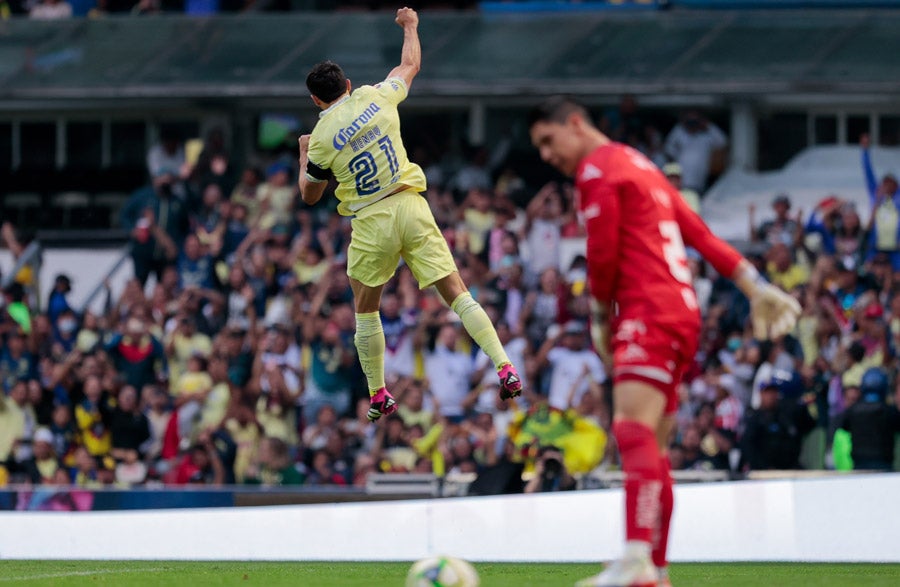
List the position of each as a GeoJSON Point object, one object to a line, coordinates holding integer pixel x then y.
{"type": "Point", "coordinates": [479, 327]}
{"type": "Point", "coordinates": [369, 341]}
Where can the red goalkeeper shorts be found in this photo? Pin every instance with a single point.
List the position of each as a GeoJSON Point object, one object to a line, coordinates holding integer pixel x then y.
{"type": "Point", "coordinates": [654, 354]}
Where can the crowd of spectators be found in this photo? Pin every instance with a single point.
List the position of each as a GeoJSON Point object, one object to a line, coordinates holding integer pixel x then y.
{"type": "Point", "coordinates": [229, 357]}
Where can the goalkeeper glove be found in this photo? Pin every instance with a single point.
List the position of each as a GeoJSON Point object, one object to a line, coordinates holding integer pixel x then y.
{"type": "Point", "coordinates": [773, 313]}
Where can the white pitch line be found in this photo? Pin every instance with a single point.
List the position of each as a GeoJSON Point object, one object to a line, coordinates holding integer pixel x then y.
{"type": "Point", "coordinates": [81, 574]}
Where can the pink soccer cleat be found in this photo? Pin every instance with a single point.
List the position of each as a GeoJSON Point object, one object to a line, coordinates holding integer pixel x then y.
{"type": "Point", "coordinates": [510, 382]}
{"type": "Point", "coordinates": [381, 404]}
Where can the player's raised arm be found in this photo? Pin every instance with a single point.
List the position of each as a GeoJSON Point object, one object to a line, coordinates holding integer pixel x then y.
{"type": "Point", "coordinates": [411, 55]}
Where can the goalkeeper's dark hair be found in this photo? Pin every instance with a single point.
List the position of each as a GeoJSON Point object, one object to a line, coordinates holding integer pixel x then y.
{"type": "Point", "coordinates": [557, 109]}
{"type": "Point", "coordinates": [326, 81]}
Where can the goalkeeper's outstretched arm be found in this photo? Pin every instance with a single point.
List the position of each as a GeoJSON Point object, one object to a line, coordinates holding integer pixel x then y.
{"type": "Point", "coordinates": [773, 312]}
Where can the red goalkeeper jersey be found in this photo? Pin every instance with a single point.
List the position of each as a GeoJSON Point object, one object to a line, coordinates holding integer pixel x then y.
{"type": "Point", "coordinates": [637, 227]}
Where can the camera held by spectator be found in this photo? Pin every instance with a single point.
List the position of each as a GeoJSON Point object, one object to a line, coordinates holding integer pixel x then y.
{"type": "Point", "coordinates": [550, 472]}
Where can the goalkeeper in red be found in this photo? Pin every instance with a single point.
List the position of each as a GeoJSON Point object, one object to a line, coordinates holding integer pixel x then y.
{"type": "Point", "coordinates": [357, 141]}
{"type": "Point", "coordinates": [646, 317]}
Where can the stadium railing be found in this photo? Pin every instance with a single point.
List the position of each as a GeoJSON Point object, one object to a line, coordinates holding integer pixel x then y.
{"type": "Point", "coordinates": [457, 485]}
{"type": "Point", "coordinates": [31, 253]}
{"type": "Point", "coordinates": [611, 479]}
{"type": "Point", "coordinates": [101, 284]}
{"type": "Point", "coordinates": [423, 484]}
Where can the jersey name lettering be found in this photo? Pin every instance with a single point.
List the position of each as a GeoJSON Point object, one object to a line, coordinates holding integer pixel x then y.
{"type": "Point", "coordinates": [343, 136]}
{"type": "Point", "coordinates": [370, 136]}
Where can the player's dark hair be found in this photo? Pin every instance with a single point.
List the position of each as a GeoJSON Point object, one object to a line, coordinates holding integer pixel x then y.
{"type": "Point", "coordinates": [557, 109]}
{"type": "Point", "coordinates": [326, 81]}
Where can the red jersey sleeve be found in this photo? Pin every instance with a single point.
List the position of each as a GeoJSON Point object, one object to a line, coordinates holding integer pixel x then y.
{"type": "Point", "coordinates": [697, 234]}
{"type": "Point", "coordinates": [600, 209]}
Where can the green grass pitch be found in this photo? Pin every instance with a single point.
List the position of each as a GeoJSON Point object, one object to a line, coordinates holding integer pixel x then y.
{"type": "Point", "coordinates": [275, 574]}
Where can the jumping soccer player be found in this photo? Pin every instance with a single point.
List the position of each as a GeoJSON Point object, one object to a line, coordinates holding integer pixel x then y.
{"type": "Point", "coordinates": [357, 140]}
{"type": "Point", "coordinates": [641, 286]}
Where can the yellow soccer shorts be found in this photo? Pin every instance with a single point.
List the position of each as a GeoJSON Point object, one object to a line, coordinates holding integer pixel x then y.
{"type": "Point", "coordinates": [400, 225]}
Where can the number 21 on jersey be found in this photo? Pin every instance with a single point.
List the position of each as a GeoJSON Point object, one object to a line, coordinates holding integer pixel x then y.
{"type": "Point", "coordinates": [365, 168]}
{"type": "Point", "coordinates": [676, 258]}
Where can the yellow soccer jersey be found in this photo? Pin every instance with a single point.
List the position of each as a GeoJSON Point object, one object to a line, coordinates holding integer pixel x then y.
{"type": "Point", "coordinates": [358, 140]}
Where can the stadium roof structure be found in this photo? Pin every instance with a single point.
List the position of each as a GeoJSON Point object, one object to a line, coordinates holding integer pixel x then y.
{"type": "Point", "coordinates": [723, 53]}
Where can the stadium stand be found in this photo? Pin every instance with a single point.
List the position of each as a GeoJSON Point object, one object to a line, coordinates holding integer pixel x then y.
{"type": "Point", "coordinates": [239, 319]}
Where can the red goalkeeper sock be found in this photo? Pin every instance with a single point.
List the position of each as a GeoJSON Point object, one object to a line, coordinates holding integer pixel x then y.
{"type": "Point", "coordinates": [640, 462]}
{"type": "Point", "coordinates": [666, 505]}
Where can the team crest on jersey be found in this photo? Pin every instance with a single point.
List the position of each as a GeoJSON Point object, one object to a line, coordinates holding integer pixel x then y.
{"type": "Point", "coordinates": [590, 172]}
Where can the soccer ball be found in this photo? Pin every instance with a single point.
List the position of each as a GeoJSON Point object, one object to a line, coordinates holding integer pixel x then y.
{"type": "Point", "coordinates": [442, 571]}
